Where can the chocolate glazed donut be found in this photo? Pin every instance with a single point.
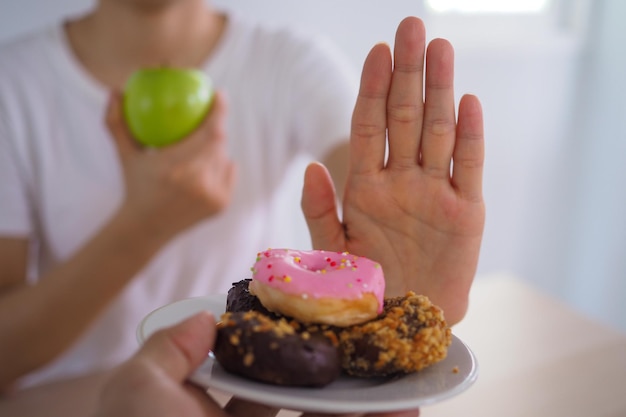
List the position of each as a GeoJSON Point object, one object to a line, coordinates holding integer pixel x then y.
{"type": "Point", "coordinates": [275, 351]}
{"type": "Point", "coordinates": [239, 299]}
{"type": "Point", "coordinates": [409, 335]}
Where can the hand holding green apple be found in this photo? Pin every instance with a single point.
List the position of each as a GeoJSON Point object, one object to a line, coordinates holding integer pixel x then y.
{"type": "Point", "coordinates": [168, 191]}
{"type": "Point", "coordinates": [163, 105]}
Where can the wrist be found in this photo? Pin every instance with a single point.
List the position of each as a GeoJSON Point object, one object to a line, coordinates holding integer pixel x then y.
{"type": "Point", "coordinates": [143, 229]}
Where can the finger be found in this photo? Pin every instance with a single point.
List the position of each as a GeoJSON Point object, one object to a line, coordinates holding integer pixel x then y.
{"type": "Point", "coordinates": [369, 120]}
{"type": "Point", "coordinates": [243, 408]}
{"type": "Point", "coordinates": [320, 209]}
{"type": "Point", "coordinates": [405, 105]}
{"type": "Point", "coordinates": [469, 150]}
{"type": "Point", "coordinates": [439, 127]}
{"type": "Point", "coordinates": [114, 119]}
{"type": "Point", "coordinates": [181, 349]}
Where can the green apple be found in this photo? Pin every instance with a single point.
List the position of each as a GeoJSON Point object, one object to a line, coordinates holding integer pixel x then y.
{"type": "Point", "coordinates": [163, 105]}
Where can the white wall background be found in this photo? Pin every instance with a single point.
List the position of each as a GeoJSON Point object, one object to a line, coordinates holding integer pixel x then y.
{"type": "Point", "coordinates": [555, 125]}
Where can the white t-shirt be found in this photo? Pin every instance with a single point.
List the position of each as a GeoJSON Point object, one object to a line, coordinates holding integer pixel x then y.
{"type": "Point", "coordinates": [60, 178]}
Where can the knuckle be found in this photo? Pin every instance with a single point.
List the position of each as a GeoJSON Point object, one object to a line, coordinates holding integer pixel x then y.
{"type": "Point", "coordinates": [367, 130]}
{"type": "Point", "coordinates": [408, 68]}
{"type": "Point", "coordinates": [404, 113]}
{"type": "Point", "coordinates": [468, 163]}
{"type": "Point", "coordinates": [440, 127]}
{"type": "Point", "coordinates": [437, 172]}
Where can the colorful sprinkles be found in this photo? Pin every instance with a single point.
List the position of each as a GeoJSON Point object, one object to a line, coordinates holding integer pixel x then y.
{"type": "Point", "coordinates": [346, 262]}
{"type": "Point", "coordinates": [340, 274]}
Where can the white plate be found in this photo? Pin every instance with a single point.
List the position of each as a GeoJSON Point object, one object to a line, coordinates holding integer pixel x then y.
{"type": "Point", "coordinates": [443, 380]}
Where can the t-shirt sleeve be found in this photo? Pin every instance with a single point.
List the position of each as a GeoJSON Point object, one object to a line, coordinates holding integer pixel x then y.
{"type": "Point", "coordinates": [15, 219]}
{"type": "Point", "coordinates": [323, 88]}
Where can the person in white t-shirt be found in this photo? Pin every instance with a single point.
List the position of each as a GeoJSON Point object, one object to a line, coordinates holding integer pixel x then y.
{"type": "Point", "coordinates": [113, 231]}
{"type": "Point", "coordinates": [377, 207]}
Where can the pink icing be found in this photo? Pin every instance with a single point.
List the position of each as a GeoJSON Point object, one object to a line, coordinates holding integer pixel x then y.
{"type": "Point", "coordinates": [320, 274]}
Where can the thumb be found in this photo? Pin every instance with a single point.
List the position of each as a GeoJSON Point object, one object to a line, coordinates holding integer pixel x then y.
{"type": "Point", "coordinates": [320, 209]}
{"type": "Point", "coordinates": [124, 142]}
{"type": "Point", "coordinates": [181, 349]}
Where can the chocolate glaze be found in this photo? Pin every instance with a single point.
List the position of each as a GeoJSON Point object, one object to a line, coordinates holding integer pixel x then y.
{"type": "Point", "coordinates": [273, 351]}
{"type": "Point", "coordinates": [239, 299]}
{"type": "Point", "coordinates": [409, 335]}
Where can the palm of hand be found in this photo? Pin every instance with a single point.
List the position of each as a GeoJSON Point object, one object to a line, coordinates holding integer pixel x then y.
{"type": "Point", "coordinates": [425, 235]}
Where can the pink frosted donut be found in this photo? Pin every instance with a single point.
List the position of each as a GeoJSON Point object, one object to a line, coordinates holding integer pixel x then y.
{"type": "Point", "coordinates": [317, 286]}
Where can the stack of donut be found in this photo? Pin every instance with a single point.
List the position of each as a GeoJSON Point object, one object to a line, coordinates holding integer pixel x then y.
{"type": "Point", "coordinates": [307, 316]}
